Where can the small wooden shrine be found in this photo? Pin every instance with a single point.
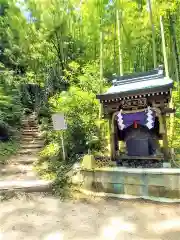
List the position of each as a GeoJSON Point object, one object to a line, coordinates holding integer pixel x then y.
{"type": "Point", "coordinates": [136, 107]}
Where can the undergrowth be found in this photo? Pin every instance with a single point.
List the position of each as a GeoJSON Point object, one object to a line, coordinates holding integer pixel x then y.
{"type": "Point", "coordinates": [57, 171]}
{"type": "Point", "coordinates": [8, 149]}
{"type": "Point", "coordinates": [11, 112]}
{"type": "Point", "coordinates": [50, 166]}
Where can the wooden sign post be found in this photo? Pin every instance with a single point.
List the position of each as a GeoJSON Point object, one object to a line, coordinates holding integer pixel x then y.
{"type": "Point", "coordinates": [59, 124]}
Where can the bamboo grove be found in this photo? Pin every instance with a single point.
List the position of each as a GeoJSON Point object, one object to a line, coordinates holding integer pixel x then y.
{"type": "Point", "coordinates": [123, 35]}
{"type": "Point", "coordinates": [81, 43]}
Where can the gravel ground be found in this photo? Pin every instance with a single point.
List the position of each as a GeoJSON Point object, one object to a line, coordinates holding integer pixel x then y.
{"type": "Point", "coordinates": [44, 217]}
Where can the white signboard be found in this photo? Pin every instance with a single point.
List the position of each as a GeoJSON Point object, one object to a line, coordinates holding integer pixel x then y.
{"type": "Point", "coordinates": [59, 122]}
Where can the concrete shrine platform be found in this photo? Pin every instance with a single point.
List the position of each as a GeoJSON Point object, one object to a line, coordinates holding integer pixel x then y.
{"type": "Point", "coordinates": [153, 184]}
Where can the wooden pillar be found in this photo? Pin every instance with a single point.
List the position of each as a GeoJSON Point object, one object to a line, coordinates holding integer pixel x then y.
{"type": "Point", "coordinates": [113, 138]}
{"type": "Point", "coordinates": [165, 140]}
{"type": "Point", "coordinates": [116, 140]}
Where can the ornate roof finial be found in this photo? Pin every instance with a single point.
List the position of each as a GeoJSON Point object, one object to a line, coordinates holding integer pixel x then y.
{"type": "Point", "coordinates": [161, 69]}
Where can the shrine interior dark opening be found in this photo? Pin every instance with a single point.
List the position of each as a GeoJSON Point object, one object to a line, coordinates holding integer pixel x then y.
{"type": "Point", "coordinates": [139, 140]}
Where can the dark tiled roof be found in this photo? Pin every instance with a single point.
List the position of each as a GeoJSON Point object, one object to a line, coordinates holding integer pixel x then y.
{"type": "Point", "coordinates": [153, 81]}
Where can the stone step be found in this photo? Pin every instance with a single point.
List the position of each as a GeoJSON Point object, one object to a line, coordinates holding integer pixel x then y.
{"type": "Point", "coordinates": [32, 145]}
{"type": "Point", "coordinates": [35, 140]}
{"type": "Point", "coordinates": [29, 122]}
{"type": "Point", "coordinates": [30, 131]}
{"type": "Point", "coordinates": [32, 134]}
{"type": "Point", "coordinates": [29, 125]}
{"type": "Point", "coordinates": [28, 128]}
{"type": "Point", "coordinates": [28, 119]}
{"type": "Point", "coordinates": [18, 176]}
{"type": "Point", "coordinates": [31, 138]}
{"type": "Point", "coordinates": [32, 141]}
{"type": "Point", "coordinates": [24, 159]}
{"type": "Point", "coordinates": [26, 185]}
{"type": "Point", "coordinates": [29, 151]}
{"type": "Point", "coordinates": [14, 168]}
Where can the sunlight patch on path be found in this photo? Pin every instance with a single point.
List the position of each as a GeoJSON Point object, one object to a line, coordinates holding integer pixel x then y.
{"type": "Point", "coordinates": [116, 226]}
{"type": "Point", "coordinates": [54, 236]}
{"type": "Point", "coordinates": [165, 226]}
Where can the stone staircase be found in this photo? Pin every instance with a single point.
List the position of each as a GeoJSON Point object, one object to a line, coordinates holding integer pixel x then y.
{"type": "Point", "coordinates": [18, 174]}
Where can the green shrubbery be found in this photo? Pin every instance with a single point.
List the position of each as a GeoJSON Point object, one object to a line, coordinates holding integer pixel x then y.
{"type": "Point", "coordinates": [7, 149]}
{"type": "Point", "coordinates": [10, 114]}
{"type": "Point", "coordinates": [174, 134]}
{"type": "Point", "coordinates": [83, 135]}
{"type": "Point", "coordinates": [10, 103]}
{"type": "Point", "coordinates": [81, 111]}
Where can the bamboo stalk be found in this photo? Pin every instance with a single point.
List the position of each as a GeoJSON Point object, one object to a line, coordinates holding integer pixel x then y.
{"type": "Point", "coordinates": [164, 47]}
{"type": "Point", "coordinates": [167, 75]}
{"type": "Point", "coordinates": [101, 61]}
{"type": "Point", "coordinates": [153, 34]}
{"type": "Point", "coordinates": [101, 70]}
{"type": "Point", "coordinates": [175, 49]}
{"type": "Point", "coordinates": [119, 44]}
{"type": "Point", "coordinates": [115, 26]}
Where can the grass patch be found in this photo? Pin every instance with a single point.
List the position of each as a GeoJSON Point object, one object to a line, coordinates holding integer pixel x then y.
{"type": "Point", "coordinates": [55, 169]}
{"type": "Point", "coordinates": [8, 149]}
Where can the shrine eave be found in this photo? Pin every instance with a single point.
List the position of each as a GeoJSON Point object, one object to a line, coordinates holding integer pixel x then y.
{"type": "Point", "coordinates": [136, 93]}
{"type": "Point", "coordinates": [149, 83]}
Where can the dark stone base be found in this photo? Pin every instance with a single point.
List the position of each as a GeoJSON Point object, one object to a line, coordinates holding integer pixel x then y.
{"type": "Point", "coordinates": [140, 163]}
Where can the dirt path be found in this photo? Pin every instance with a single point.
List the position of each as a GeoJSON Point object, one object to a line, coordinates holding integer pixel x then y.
{"type": "Point", "coordinates": [39, 217]}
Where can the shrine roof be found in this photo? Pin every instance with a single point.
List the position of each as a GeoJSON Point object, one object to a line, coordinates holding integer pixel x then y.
{"type": "Point", "coordinates": [142, 83]}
